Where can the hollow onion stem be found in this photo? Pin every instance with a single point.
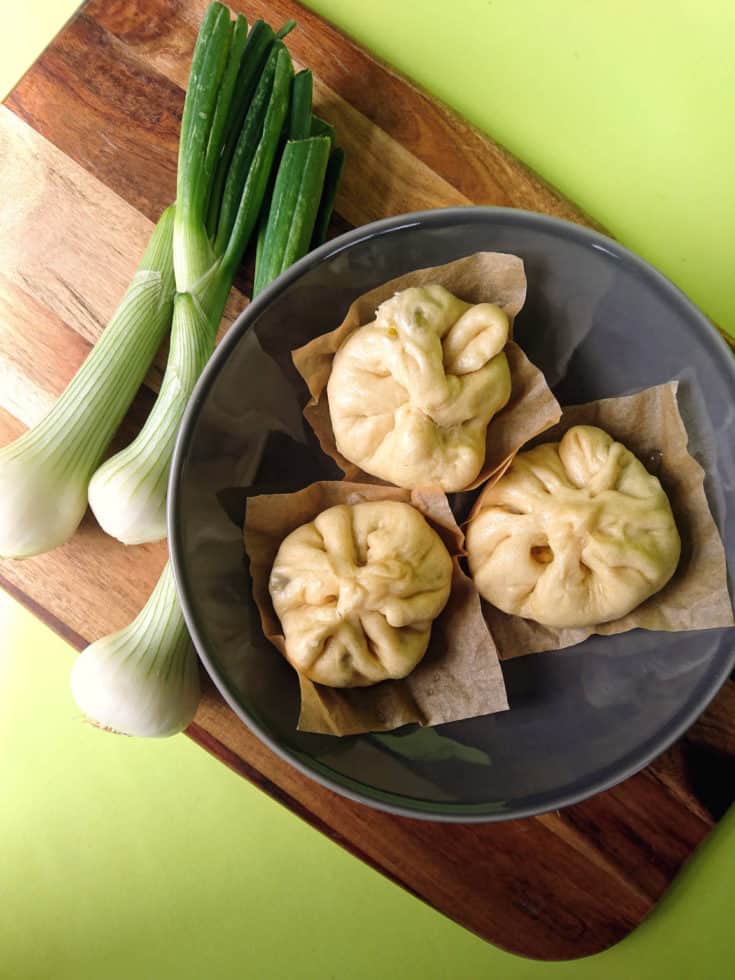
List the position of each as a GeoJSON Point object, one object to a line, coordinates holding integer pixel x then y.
{"type": "Point", "coordinates": [293, 208]}
{"type": "Point", "coordinates": [259, 42]}
{"type": "Point", "coordinates": [335, 166]}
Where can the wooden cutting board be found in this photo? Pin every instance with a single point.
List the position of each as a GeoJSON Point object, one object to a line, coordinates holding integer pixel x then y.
{"type": "Point", "coordinates": [88, 144]}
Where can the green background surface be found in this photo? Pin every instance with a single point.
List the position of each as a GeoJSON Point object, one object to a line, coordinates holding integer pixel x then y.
{"type": "Point", "coordinates": [133, 859]}
{"type": "Point", "coordinates": [128, 859]}
{"type": "Point", "coordinates": [626, 106]}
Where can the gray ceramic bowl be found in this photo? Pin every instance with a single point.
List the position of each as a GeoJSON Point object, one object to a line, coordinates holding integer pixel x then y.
{"type": "Point", "coordinates": [599, 322]}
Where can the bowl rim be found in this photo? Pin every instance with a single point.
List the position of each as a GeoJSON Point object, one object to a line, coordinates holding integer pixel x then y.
{"type": "Point", "coordinates": [394, 803]}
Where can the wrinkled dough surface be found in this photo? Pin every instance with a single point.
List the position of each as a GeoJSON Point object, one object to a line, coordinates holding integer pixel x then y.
{"type": "Point", "coordinates": [356, 591]}
{"type": "Point", "coordinates": [411, 394]}
{"type": "Point", "coordinates": [576, 533]}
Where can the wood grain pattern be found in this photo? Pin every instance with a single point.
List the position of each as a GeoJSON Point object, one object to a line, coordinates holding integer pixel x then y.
{"type": "Point", "coordinates": [576, 880]}
{"type": "Point", "coordinates": [88, 145]}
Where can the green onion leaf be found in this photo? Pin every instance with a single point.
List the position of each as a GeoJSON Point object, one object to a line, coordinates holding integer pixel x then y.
{"type": "Point", "coordinates": [265, 153]}
{"type": "Point", "coordinates": [335, 166]}
{"type": "Point", "coordinates": [208, 67]}
{"type": "Point", "coordinates": [244, 152]}
{"type": "Point", "coordinates": [257, 48]}
{"type": "Point", "coordinates": [286, 29]}
{"type": "Point", "coordinates": [225, 98]}
{"type": "Point", "coordinates": [321, 128]}
{"type": "Point", "coordinates": [293, 211]}
{"type": "Point", "coordinates": [299, 120]}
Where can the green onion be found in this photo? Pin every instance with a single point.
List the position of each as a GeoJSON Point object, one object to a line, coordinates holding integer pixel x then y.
{"type": "Point", "coordinates": [226, 106]}
{"type": "Point", "coordinates": [45, 473]}
{"type": "Point", "coordinates": [286, 29]}
{"type": "Point", "coordinates": [128, 493]}
{"type": "Point", "coordinates": [257, 48]}
{"type": "Point", "coordinates": [294, 206]}
{"type": "Point", "coordinates": [299, 125]}
{"type": "Point", "coordinates": [143, 680]}
{"type": "Point", "coordinates": [335, 166]}
{"type": "Point", "coordinates": [321, 128]}
{"type": "Point", "coordinates": [299, 120]}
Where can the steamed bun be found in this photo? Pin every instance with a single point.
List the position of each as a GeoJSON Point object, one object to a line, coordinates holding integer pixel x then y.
{"type": "Point", "coordinates": [411, 394]}
{"type": "Point", "coordinates": [356, 591]}
{"type": "Point", "coordinates": [575, 533]}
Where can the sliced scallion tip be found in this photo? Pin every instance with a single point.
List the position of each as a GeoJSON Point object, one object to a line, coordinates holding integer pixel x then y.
{"type": "Point", "coordinates": [335, 166]}
{"type": "Point", "coordinates": [293, 208]}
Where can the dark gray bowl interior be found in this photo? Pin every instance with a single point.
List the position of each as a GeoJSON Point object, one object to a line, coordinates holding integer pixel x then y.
{"type": "Point", "coordinates": [599, 322]}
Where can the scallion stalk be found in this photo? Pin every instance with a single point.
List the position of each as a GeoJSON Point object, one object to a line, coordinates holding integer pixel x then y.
{"type": "Point", "coordinates": [294, 206]}
{"type": "Point", "coordinates": [319, 127]}
{"type": "Point", "coordinates": [299, 119]}
{"type": "Point", "coordinates": [45, 473]}
{"type": "Point", "coordinates": [335, 166]}
{"type": "Point", "coordinates": [128, 493]}
{"type": "Point", "coordinates": [258, 46]}
{"type": "Point", "coordinates": [225, 107]}
{"type": "Point", "coordinates": [299, 125]}
{"type": "Point", "coordinates": [143, 680]}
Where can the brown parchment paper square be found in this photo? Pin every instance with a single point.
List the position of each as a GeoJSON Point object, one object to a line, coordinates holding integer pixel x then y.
{"type": "Point", "coordinates": [484, 277]}
{"type": "Point", "coordinates": [697, 597]}
{"type": "Point", "coordinates": [460, 675]}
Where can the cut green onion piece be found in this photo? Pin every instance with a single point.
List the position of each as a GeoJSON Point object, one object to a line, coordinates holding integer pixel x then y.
{"type": "Point", "coordinates": [299, 119]}
{"type": "Point", "coordinates": [225, 99]}
{"type": "Point", "coordinates": [294, 207]}
{"type": "Point", "coordinates": [257, 49]}
{"type": "Point", "coordinates": [286, 29]}
{"type": "Point", "coordinates": [253, 158]}
{"type": "Point", "coordinates": [143, 680]}
{"type": "Point", "coordinates": [244, 153]}
{"type": "Point", "coordinates": [207, 70]}
{"type": "Point", "coordinates": [335, 166]}
{"type": "Point", "coordinates": [45, 473]}
{"type": "Point", "coordinates": [299, 124]}
{"type": "Point", "coordinates": [321, 128]}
